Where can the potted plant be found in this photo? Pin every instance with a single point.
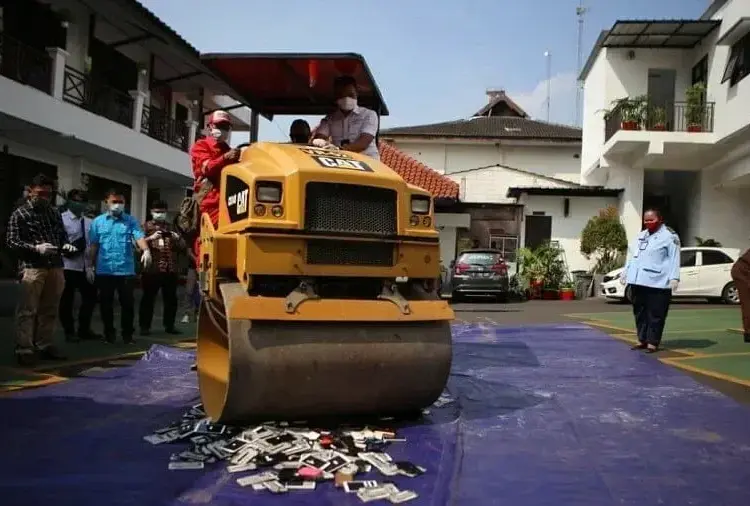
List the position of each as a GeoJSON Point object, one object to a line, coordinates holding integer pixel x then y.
{"type": "Point", "coordinates": [695, 109]}
{"type": "Point", "coordinates": [604, 240]}
{"type": "Point", "coordinates": [708, 243]}
{"type": "Point", "coordinates": [631, 111]}
{"type": "Point", "coordinates": [530, 272]}
{"type": "Point", "coordinates": [567, 291]}
{"type": "Point", "coordinates": [658, 119]}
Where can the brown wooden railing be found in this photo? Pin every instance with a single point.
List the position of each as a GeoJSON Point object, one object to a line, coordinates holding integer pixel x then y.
{"type": "Point", "coordinates": [674, 117]}
{"type": "Point", "coordinates": [81, 90]}
{"type": "Point", "coordinates": [160, 126]}
{"type": "Point", "coordinates": [25, 64]}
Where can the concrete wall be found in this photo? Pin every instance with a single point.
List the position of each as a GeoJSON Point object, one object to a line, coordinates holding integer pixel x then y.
{"type": "Point", "coordinates": [567, 229]}
{"type": "Point", "coordinates": [463, 162]}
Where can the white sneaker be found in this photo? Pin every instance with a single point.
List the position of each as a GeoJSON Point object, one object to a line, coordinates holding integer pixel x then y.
{"type": "Point", "coordinates": [185, 319]}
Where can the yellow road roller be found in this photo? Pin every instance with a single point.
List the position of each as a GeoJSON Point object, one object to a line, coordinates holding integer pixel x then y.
{"type": "Point", "coordinates": [320, 282]}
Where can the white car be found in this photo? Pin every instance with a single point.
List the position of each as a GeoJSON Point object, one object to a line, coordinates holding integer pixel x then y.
{"type": "Point", "coordinates": [704, 273]}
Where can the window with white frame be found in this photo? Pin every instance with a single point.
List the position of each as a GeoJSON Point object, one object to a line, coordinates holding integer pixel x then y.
{"type": "Point", "coordinates": [507, 244]}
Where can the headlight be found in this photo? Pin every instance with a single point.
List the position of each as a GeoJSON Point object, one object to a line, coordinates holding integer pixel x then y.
{"type": "Point", "coordinates": [268, 192]}
{"type": "Point", "coordinates": [420, 204]}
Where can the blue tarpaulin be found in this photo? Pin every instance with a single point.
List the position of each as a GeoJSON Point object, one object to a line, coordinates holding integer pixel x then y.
{"type": "Point", "coordinates": [541, 415]}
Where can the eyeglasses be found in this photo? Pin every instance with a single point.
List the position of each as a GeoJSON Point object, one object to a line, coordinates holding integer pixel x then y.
{"type": "Point", "coordinates": [118, 201]}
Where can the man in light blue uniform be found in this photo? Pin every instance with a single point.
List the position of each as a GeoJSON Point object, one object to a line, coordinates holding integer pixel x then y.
{"type": "Point", "coordinates": [653, 273]}
{"type": "Point", "coordinates": [112, 265]}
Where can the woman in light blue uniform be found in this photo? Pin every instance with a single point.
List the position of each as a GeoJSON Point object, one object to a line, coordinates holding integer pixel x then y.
{"type": "Point", "coordinates": [653, 273]}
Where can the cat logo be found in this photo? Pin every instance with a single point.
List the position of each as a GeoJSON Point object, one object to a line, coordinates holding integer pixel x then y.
{"type": "Point", "coordinates": [333, 159]}
{"type": "Point", "coordinates": [239, 200]}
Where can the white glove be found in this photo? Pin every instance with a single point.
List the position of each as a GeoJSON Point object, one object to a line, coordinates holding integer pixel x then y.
{"type": "Point", "coordinates": [90, 275]}
{"type": "Point", "coordinates": [46, 248]}
{"type": "Point", "coordinates": [673, 284]}
{"type": "Point", "coordinates": [69, 248]}
{"type": "Point", "coordinates": [324, 144]}
{"type": "Point", "coordinates": [153, 236]}
{"type": "Point", "coordinates": [146, 258]}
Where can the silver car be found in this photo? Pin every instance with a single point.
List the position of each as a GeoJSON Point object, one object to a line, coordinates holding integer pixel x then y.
{"type": "Point", "coordinates": [478, 272]}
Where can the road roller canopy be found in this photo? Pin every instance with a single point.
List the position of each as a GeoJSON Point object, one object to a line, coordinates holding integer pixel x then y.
{"type": "Point", "coordinates": [294, 83]}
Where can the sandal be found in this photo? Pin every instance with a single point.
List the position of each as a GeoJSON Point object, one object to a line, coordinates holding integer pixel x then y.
{"type": "Point", "coordinates": [652, 349]}
{"type": "Point", "coordinates": [639, 346]}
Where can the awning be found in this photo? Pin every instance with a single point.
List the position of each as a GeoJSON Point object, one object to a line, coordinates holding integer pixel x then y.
{"type": "Point", "coordinates": [585, 191]}
{"type": "Point", "coordinates": [658, 33]}
{"type": "Point", "coordinates": [294, 83]}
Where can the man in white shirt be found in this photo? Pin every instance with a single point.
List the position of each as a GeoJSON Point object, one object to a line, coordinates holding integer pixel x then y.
{"type": "Point", "coordinates": [351, 127]}
{"type": "Point", "coordinates": [77, 227]}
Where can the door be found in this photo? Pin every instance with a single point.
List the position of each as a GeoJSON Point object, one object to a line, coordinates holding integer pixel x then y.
{"type": "Point", "coordinates": [538, 230]}
{"type": "Point", "coordinates": [661, 92]}
{"type": "Point", "coordinates": [689, 274]}
{"type": "Point", "coordinates": [715, 267]}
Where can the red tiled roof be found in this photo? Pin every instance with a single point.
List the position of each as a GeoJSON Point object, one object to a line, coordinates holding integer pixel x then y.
{"type": "Point", "coordinates": [417, 173]}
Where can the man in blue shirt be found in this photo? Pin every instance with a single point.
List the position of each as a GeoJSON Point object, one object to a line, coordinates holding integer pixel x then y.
{"type": "Point", "coordinates": [112, 265]}
{"type": "Point", "coordinates": [653, 273]}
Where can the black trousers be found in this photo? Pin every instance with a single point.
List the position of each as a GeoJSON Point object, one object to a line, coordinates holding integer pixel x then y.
{"type": "Point", "coordinates": [151, 283]}
{"type": "Point", "coordinates": [124, 286]}
{"type": "Point", "coordinates": [75, 281]}
{"type": "Point", "coordinates": [650, 307]}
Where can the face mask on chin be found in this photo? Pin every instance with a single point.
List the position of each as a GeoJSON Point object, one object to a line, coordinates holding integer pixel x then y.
{"type": "Point", "coordinates": [347, 103]}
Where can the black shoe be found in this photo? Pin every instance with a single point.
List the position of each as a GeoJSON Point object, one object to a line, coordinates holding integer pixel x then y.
{"type": "Point", "coordinates": [26, 359]}
{"type": "Point", "coordinates": [109, 338]}
{"type": "Point", "coordinates": [52, 353]}
{"type": "Point", "coordinates": [173, 331]}
{"type": "Point", "coordinates": [72, 338]}
{"type": "Point", "coordinates": [145, 332]}
{"type": "Point", "coordinates": [128, 339]}
{"type": "Point", "coordinates": [747, 337]}
{"type": "Point", "coordinates": [194, 367]}
{"type": "Point", "coordinates": [639, 346]}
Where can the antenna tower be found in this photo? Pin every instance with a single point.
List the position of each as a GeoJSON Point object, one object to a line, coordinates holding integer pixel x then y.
{"type": "Point", "coordinates": [581, 10]}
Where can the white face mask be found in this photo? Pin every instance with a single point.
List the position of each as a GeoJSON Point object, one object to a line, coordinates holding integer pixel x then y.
{"type": "Point", "coordinates": [116, 208]}
{"type": "Point", "coordinates": [220, 135]}
{"type": "Point", "coordinates": [159, 216]}
{"type": "Point", "coordinates": [347, 103]}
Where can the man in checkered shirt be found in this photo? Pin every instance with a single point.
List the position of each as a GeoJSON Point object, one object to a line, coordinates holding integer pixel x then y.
{"type": "Point", "coordinates": [37, 235]}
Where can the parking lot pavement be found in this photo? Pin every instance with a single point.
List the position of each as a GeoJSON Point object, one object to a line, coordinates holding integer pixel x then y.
{"type": "Point", "coordinates": [548, 311]}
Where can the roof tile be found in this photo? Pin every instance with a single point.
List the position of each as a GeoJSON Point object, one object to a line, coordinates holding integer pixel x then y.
{"type": "Point", "coordinates": [417, 173]}
{"type": "Point", "coordinates": [492, 127]}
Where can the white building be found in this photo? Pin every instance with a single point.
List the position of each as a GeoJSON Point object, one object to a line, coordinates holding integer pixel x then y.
{"type": "Point", "coordinates": [99, 97]}
{"type": "Point", "coordinates": [690, 154]}
{"type": "Point", "coordinates": [519, 178]}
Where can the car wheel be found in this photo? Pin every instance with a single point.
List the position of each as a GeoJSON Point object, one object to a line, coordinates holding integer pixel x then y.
{"type": "Point", "coordinates": [730, 295]}
{"type": "Point", "coordinates": [455, 297]}
{"type": "Point", "coordinates": [628, 295]}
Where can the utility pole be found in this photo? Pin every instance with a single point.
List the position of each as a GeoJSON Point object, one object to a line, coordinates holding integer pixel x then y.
{"type": "Point", "coordinates": [580, 12]}
{"type": "Point", "coordinates": [548, 56]}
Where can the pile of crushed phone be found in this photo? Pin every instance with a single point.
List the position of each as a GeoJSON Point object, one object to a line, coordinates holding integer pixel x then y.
{"type": "Point", "coordinates": [281, 457]}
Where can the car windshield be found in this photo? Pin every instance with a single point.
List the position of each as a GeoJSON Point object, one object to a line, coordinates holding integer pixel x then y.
{"type": "Point", "coordinates": [480, 258]}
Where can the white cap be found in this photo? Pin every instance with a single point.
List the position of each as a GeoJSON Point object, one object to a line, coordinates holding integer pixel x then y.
{"type": "Point", "coordinates": [218, 117]}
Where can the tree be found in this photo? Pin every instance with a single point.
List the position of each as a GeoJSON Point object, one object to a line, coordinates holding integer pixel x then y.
{"type": "Point", "coordinates": [604, 238]}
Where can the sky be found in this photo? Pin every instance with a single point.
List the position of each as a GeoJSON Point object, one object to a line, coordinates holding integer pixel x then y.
{"type": "Point", "coordinates": [432, 59]}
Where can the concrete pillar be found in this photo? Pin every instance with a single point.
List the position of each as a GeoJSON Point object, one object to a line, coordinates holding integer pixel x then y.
{"type": "Point", "coordinates": [631, 199]}
{"type": "Point", "coordinates": [254, 126]}
{"type": "Point", "coordinates": [77, 38]}
{"type": "Point", "coordinates": [59, 57]}
{"type": "Point", "coordinates": [192, 132]}
{"type": "Point", "coordinates": [139, 99]}
{"type": "Point", "coordinates": [140, 195]}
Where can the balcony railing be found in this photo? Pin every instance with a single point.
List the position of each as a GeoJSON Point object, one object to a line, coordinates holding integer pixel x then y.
{"type": "Point", "coordinates": [98, 98]}
{"type": "Point", "coordinates": [158, 125]}
{"type": "Point", "coordinates": [25, 64]}
{"type": "Point", "coordinates": [674, 117]}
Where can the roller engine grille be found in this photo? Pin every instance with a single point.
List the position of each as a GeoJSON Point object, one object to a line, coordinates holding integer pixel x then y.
{"type": "Point", "coordinates": [336, 207]}
{"type": "Point", "coordinates": [331, 252]}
